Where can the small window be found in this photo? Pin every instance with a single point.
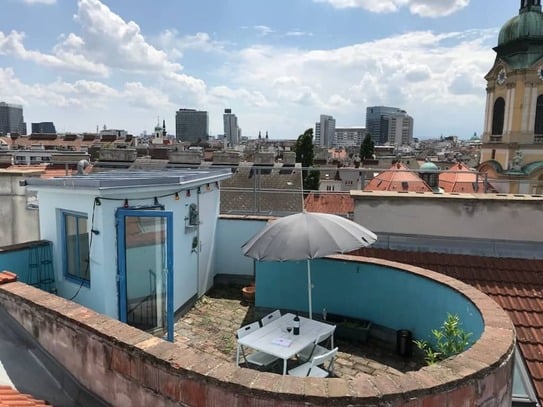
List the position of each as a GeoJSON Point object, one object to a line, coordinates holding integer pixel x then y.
{"type": "Point", "coordinates": [75, 247]}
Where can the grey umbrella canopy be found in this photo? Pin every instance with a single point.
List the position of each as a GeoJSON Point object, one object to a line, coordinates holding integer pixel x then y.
{"type": "Point", "coordinates": [305, 236]}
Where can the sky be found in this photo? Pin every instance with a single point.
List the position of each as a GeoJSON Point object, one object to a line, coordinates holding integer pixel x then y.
{"type": "Point", "coordinates": [279, 65]}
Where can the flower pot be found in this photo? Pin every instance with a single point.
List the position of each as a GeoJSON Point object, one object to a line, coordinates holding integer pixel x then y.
{"type": "Point", "coordinates": [249, 293]}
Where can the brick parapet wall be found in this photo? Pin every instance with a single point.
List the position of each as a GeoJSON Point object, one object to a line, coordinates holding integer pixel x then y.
{"type": "Point", "coordinates": [128, 367]}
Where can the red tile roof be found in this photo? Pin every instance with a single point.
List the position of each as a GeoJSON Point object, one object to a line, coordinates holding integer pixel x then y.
{"type": "Point", "coordinates": [7, 277]}
{"type": "Point", "coordinates": [336, 203]}
{"type": "Point", "coordinates": [10, 397]}
{"type": "Point", "coordinates": [459, 178]}
{"type": "Point", "coordinates": [398, 178]}
{"type": "Point", "coordinates": [515, 284]}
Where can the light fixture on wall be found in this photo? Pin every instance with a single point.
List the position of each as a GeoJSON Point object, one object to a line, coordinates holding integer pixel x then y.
{"type": "Point", "coordinates": [208, 187]}
{"type": "Point", "coordinates": [176, 197]}
{"type": "Point", "coordinates": [217, 184]}
{"type": "Point", "coordinates": [188, 192]}
{"type": "Point", "coordinates": [199, 190]}
{"type": "Point", "coordinates": [156, 203]}
{"type": "Point", "coordinates": [126, 204]}
{"type": "Point", "coordinates": [194, 216]}
{"type": "Point", "coordinates": [97, 201]}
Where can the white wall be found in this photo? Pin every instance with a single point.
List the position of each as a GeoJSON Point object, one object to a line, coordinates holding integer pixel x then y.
{"type": "Point", "coordinates": [102, 294]}
{"type": "Point", "coordinates": [232, 233]}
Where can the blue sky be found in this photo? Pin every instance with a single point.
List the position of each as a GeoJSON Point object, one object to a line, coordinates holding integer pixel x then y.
{"type": "Point", "coordinates": [277, 64]}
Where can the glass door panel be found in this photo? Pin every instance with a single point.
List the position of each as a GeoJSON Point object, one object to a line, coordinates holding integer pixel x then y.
{"type": "Point", "coordinates": [145, 273]}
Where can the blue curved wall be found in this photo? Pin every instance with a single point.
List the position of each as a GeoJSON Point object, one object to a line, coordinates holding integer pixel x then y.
{"type": "Point", "coordinates": [387, 296]}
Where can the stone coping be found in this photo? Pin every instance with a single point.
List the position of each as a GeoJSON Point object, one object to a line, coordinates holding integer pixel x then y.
{"type": "Point", "coordinates": [490, 356]}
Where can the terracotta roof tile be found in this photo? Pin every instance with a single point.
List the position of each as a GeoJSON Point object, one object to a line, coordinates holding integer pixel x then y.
{"type": "Point", "coordinates": [454, 181]}
{"type": "Point", "coordinates": [515, 284]}
{"type": "Point", "coordinates": [398, 178]}
{"type": "Point", "coordinates": [7, 277]}
{"type": "Point", "coordinates": [336, 203]}
{"type": "Point", "coordinates": [11, 397]}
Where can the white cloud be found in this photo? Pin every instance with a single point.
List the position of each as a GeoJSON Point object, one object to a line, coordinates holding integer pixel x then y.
{"type": "Point", "coordinates": [110, 40]}
{"type": "Point", "coordinates": [438, 71]}
{"type": "Point", "coordinates": [175, 44]}
{"type": "Point", "coordinates": [424, 8]}
{"type": "Point", "coordinates": [47, 2]}
{"type": "Point", "coordinates": [62, 58]}
{"type": "Point", "coordinates": [263, 30]}
{"type": "Point", "coordinates": [298, 33]}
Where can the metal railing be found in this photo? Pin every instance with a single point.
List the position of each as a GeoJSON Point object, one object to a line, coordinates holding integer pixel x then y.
{"type": "Point", "coordinates": [143, 315]}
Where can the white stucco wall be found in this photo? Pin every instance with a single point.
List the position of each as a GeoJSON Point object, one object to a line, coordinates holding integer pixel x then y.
{"type": "Point", "coordinates": [232, 232]}
{"type": "Point", "coordinates": [102, 294]}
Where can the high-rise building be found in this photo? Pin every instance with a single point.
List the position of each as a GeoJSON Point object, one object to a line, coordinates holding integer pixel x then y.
{"type": "Point", "coordinates": [389, 125]}
{"type": "Point", "coordinates": [325, 131]}
{"type": "Point", "coordinates": [191, 125]}
{"type": "Point", "coordinates": [232, 132]}
{"type": "Point", "coordinates": [349, 136]}
{"type": "Point", "coordinates": [44, 127]}
{"type": "Point", "coordinates": [11, 119]}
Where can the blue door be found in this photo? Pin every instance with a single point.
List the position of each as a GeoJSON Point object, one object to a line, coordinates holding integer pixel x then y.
{"type": "Point", "coordinates": [145, 269]}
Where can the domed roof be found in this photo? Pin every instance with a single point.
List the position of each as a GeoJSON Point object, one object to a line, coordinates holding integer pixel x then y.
{"type": "Point", "coordinates": [429, 166]}
{"type": "Point", "coordinates": [528, 24]}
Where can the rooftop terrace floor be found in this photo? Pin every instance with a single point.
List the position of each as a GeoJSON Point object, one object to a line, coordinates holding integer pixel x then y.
{"type": "Point", "coordinates": [210, 326]}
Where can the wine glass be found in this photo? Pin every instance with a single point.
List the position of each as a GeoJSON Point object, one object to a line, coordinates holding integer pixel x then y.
{"type": "Point", "coordinates": [289, 330]}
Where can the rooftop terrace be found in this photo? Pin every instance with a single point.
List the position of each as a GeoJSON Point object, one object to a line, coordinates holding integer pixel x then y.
{"type": "Point", "coordinates": [121, 364]}
{"type": "Point", "coordinates": [210, 326]}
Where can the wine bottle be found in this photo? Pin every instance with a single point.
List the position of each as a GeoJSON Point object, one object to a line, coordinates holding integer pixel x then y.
{"type": "Point", "coordinates": [296, 330]}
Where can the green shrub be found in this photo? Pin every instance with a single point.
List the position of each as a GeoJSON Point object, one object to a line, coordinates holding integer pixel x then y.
{"type": "Point", "coordinates": [450, 340]}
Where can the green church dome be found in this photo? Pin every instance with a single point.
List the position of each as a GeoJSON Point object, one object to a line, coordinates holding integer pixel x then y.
{"type": "Point", "coordinates": [429, 166]}
{"type": "Point", "coordinates": [527, 25]}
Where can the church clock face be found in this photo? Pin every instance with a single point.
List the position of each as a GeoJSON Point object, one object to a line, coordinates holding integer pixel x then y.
{"type": "Point", "coordinates": [502, 76]}
{"type": "Point", "coordinates": [540, 72]}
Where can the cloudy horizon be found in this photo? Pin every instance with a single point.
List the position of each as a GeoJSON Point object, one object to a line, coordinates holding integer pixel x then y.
{"type": "Point", "coordinates": [277, 65]}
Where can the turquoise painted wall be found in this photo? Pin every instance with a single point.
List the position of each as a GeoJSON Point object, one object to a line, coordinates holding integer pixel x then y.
{"type": "Point", "coordinates": [389, 297]}
{"type": "Point", "coordinates": [17, 261]}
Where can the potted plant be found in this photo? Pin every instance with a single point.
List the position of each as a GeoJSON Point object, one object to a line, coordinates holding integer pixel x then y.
{"type": "Point", "coordinates": [350, 328]}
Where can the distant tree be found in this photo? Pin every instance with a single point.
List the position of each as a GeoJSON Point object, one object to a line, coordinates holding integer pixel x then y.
{"type": "Point", "coordinates": [305, 155]}
{"type": "Point", "coordinates": [367, 147]}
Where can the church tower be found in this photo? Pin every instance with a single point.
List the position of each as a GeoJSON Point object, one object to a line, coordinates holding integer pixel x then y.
{"type": "Point", "coordinates": [513, 127]}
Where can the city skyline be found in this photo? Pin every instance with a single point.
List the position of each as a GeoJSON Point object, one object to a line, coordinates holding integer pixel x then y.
{"type": "Point", "coordinates": [277, 65]}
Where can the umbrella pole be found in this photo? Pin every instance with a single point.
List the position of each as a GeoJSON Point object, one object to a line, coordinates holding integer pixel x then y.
{"type": "Point", "coordinates": [309, 288]}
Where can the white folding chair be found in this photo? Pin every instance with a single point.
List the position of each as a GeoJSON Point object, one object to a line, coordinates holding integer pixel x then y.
{"type": "Point", "coordinates": [272, 316]}
{"type": "Point", "coordinates": [312, 368]}
{"type": "Point", "coordinates": [316, 349]}
{"type": "Point", "coordinates": [257, 358]}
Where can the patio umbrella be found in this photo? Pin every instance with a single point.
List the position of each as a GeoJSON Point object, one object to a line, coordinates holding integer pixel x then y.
{"type": "Point", "coordinates": [306, 236]}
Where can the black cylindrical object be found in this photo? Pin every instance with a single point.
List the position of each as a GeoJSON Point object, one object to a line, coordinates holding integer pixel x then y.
{"type": "Point", "coordinates": [296, 325]}
{"type": "Point", "coordinates": [404, 342]}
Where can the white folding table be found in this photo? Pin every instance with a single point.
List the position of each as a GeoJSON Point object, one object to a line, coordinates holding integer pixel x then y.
{"type": "Point", "coordinates": [274, 340]}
